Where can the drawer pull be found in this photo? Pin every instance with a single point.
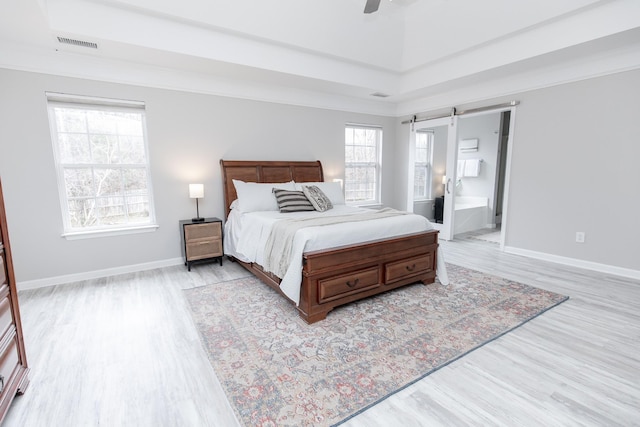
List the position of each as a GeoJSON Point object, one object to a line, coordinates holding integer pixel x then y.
{"type": "Point", "coordinates": [411, 268]}
{"type": "Point", "coordinates": [352, 284]}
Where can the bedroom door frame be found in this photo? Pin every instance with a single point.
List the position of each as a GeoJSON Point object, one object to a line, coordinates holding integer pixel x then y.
{"type": "Point", "coordinates": [507, 173]}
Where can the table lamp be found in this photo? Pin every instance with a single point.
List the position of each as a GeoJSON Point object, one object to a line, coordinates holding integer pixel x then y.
{"type": "Point", "coordinates": [196, 191]}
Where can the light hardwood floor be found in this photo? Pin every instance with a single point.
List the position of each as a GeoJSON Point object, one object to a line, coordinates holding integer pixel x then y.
{"type": "Point", "coordinates": [123, 351]}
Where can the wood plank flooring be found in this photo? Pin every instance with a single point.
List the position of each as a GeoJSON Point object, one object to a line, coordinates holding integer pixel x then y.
{"type": "Point", "coordinates": [123, 351]}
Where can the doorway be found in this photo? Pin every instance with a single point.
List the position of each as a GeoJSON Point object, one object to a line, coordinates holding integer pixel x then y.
{"type": "Point", "coordinates": [469, 173]}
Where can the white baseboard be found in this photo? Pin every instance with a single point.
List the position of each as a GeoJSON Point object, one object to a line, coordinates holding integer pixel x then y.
{"type": "Point", "coordinates": [573, 262]}
{"type": "Point", "coordinates": [69, 278]}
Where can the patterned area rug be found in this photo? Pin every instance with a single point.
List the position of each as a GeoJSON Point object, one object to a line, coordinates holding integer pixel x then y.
{"type": "Point", "coordinates": [278, 371]}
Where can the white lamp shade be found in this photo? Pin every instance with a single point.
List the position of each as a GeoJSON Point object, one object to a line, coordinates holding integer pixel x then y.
{"type": "Point", "coordinates": [196, 191]}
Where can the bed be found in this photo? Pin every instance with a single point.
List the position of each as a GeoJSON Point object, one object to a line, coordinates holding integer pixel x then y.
{"type": "Point", "coordinates": [336, 275]}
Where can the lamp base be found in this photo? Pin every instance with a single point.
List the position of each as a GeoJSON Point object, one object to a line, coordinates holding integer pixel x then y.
{"type": "Point", "coordinates": [197, 219]}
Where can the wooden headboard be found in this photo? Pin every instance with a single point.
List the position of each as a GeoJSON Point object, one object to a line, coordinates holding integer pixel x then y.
{"type": "Point", "coordinates": [265, 171]}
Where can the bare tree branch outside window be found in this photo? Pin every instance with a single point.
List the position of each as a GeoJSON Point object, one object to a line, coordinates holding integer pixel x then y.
{"type": "Point", "coordinates": [103, 167]}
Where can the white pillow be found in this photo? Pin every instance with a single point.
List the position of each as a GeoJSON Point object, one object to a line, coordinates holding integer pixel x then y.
{"type": "Point", "coordinates": [320, 201]}
{"type": "Point", "coordinates": [257, 196]}
{"type": "Point", "coordinates": [333, 190]}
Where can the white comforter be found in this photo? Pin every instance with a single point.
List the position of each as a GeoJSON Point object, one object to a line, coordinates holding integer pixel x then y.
{"type": "Point", "coordinates": [246, 235]}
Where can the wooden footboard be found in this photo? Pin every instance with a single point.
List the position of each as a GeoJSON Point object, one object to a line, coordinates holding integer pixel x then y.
{"type": "Point", "coordinates": [346, 274]}
{"type": "Point", "coordinates": [338, 276]}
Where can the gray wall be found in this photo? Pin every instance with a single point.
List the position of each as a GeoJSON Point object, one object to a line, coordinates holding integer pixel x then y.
{"type": "Point", "coordinates": [188, 135]}
{"type": "Point", "coordinates": [575, 167]}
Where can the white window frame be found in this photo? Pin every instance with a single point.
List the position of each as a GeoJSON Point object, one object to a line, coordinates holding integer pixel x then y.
{"type": "Point", "coordinates": [426, 165]}
{"type": "Point", "coordinates": [57, 100]}
{"type": "Point", "coordinates": [376, 164]}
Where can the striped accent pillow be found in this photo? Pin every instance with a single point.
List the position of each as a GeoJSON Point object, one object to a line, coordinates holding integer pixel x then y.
{"type": "Point", "coordinates": [292, 201]}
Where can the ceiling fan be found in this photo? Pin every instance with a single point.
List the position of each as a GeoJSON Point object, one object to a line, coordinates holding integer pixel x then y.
{"type": "Point", "coordinates": [371, 6]}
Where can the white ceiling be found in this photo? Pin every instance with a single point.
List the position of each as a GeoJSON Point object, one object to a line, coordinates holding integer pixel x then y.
{"type": "Point", "coordinates": [327, 53]}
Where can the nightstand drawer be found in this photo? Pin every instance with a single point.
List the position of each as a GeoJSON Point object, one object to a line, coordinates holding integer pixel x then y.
{"type": "Point", "coordinates": [202, 231]}
{"type": "Point", "coordinates": [204, 249]}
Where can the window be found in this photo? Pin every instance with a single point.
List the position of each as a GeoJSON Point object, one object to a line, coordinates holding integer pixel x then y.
{"type": "Point", "coordinates": [362, 153]}
{"type": "Point", "coordinates": [422, 164]}
{"type": "Point", "coordinates": [101, 158]}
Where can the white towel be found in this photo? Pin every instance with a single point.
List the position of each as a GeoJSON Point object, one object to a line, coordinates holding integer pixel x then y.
{"type": "Point", "coordinates": [460, 171]}
{"type": "Point", "coordinates": [471, 167]}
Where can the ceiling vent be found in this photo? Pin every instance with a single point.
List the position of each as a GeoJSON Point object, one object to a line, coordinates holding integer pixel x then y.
{"type": "Point", "coordinates": [80, 43]}
{"type": "Point", "coordinates": [380, 95]}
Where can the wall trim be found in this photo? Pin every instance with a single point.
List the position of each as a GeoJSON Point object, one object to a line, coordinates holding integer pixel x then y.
{"type": "Point", "coordinates": [96, 274]}
{"type": "Point", "coordinates": [64, 64]}
{"type": "Point", "coordinates": [602, 62]}
{"type": "Point", "coordinates": [574, 262]}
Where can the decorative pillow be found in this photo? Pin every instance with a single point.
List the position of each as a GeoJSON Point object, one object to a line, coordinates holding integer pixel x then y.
{"type": "Point", "coordinates": [332, 190]}
{"type": "Point", "coordinates": [257, 196]}
{"type": "Point", "coordinates": [318, 199]}
{"type": "Point", "coordinates": [292, 201]}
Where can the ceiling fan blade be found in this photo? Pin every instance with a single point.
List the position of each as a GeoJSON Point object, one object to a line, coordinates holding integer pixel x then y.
{"type": "Point", "coordinates": [371, 6]}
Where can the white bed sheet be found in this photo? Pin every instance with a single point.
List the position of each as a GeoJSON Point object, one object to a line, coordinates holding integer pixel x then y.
{"type": "Point", "coordinates": [246, 235]}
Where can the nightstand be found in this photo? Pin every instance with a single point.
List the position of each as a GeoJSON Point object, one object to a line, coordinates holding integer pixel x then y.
{"type": "Point", "coordinates": [201, 241]}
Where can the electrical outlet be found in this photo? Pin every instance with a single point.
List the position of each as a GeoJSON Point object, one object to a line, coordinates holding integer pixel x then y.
{"type": "Point", "coordinates": [580, 235]}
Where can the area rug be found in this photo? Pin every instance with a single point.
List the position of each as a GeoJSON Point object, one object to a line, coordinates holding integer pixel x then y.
{"type": "Point", "coordinates": [278, 371]}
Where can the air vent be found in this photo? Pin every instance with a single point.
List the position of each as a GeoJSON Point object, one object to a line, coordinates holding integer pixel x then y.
{"type": "Point", "coordinates": [74, 42]}
{"type": "Point", "coordinates": [380, 95]}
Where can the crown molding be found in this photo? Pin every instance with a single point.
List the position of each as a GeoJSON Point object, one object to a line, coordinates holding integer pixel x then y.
{"type": "Point", "coordinates": [68, 64]}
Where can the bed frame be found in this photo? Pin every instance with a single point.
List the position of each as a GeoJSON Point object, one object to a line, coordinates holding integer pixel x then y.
{"type": "Point", "coordinates": [343, 274]}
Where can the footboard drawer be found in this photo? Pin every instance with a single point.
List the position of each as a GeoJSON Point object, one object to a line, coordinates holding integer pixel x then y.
{"type": "Point", "coordinates": [340, 286]}
{"type": "Point", "coordinates": [395, 271]}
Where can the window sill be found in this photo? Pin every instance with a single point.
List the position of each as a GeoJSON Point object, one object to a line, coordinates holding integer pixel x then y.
{"type": "Point", "coordinates": [78, 235]}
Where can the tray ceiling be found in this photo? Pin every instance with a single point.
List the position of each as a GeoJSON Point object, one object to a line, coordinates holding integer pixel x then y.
{"type": "Point", "coordinates": [328, 52]}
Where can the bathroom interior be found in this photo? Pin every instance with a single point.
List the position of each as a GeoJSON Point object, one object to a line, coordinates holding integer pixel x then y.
{"type": "Point", "coordinates": [479, 186]}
